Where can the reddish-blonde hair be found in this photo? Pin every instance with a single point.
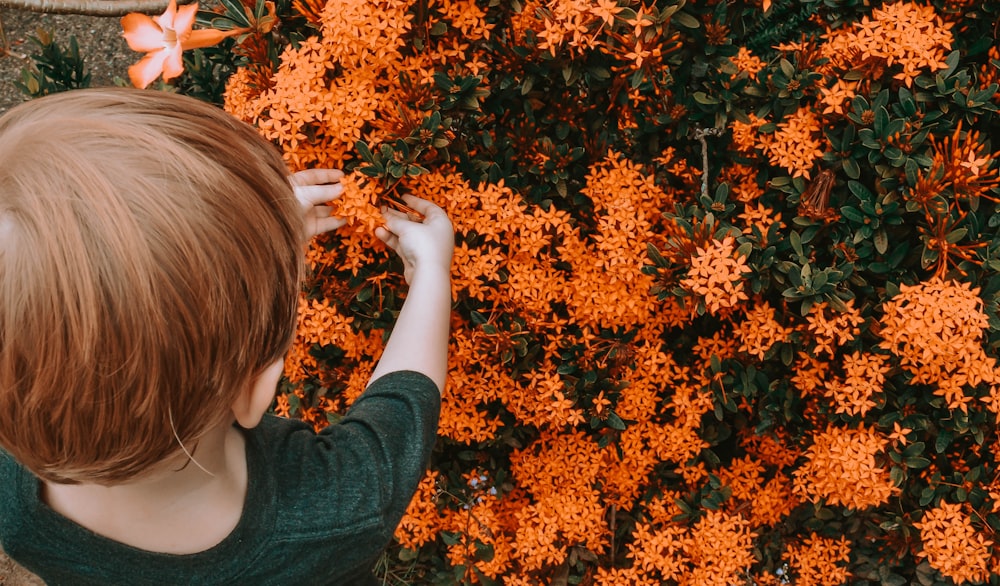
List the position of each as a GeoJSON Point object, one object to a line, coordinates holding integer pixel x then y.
{"type": "Point", "coordinates": [149, 268]}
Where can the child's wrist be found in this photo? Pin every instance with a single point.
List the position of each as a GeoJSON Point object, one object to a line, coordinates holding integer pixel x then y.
{"type": "Point", "coordinates": [431, 272]}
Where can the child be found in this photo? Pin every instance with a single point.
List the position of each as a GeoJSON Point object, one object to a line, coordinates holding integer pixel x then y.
{"type": "Point", "coordinates": [150, 257]}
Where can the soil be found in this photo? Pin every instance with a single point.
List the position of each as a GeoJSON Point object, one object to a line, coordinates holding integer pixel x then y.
{"type": "Point", "coordinates": [106, 57]}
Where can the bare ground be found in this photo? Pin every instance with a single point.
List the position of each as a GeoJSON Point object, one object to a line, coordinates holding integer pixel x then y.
{"type": "Point", "coordinates": [104, 50]}
{"type": "Point", "coordinates": [106, 57]}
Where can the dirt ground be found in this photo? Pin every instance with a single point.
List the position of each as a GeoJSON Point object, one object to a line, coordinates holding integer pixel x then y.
{"type": "Point", "coordinates": [104, 50]}
{"type": "Point", "coordinates": [106, 56]}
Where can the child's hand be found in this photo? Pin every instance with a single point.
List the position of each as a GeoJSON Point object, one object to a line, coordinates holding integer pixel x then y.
{"type": "Point", "coordinates": [314, 188]}
{"type": "Point", "coordinates": [426, 244]}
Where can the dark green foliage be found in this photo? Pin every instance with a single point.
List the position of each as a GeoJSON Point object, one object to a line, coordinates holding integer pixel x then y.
{"type": "Point", "coordinates": [55, 69]}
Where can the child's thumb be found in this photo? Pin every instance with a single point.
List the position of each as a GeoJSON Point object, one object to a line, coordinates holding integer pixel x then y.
{"type": "Point", "coordinates": [396, 221]}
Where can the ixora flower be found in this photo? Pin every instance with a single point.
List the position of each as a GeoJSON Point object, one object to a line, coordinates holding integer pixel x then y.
{"type": "Point", "coordinates": [164, 38]}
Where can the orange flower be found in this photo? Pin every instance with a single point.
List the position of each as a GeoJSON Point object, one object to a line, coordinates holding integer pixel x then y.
{"type": "Point", "coordinates": [905, 34]}
{"type": "Point", "coordinates": [761, 217]}
{"type": "Point", "coordinates": [745, 134]}
{"type": "Point", "coordinates": [717, 276]}
{"type": "Point", "coordinates": [832, 331]}
{"type": "Point", "coordinates": [837, 95]}
{"type": "Point", "coordinates": [422, 520]}
{"type": "Point", "coordinates": [761, 331]}
{"type": "Point", "coordinates": [841, 468]}
{"type": "Point", "coordinates": [820, 561]}
{"type": "Point", "coordinates": [936, 328]}
{"type": "Point", "coordinates": [863, 380]}
{"type": "Point", "coordinates": [952, 545]}
{"type": "Point", "coordinates": [164, 38]}
{"type": "Point", "coordinates": [797, 143]}
{"type": "Point", "coordinates": [747, 62]}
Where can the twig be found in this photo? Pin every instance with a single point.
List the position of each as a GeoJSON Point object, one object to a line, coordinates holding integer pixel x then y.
{"type": "Point", "coordinates": [89, 7]}
{"type": "Point", "coordinates": [700, 135]}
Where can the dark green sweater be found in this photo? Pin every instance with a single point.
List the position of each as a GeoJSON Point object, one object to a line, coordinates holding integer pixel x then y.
{"type": "Point", "coordinates": [320, 508]}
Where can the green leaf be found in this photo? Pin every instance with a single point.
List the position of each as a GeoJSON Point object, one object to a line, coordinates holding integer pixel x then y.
{"type": "Point", "coordinates": [917, 462]}
{"type": "Point", "coordinates": [881, 241]}
{"type": "Point", "coordinates": [787, 68]}
{"type": "Point", "coordinates": [440, 27]}
{"type": "Point", "coordinates": [897, 475]}
{"type": "Point", "coordinates": [956, 235]}
{"type": "Point", "coordinates": [851, 168]}
{"type": "Point", "coordinates": [859, 190]}
{"type": "Point", "coordinates": [365, 152]}
{"type": "Point", "coordinates": [951, 63]}
{"type": "Point", "coordinates": [853, 214]}
{"type": "Point", "coordinates": [881, 122]}
{"type": "Point", "coordinates": [912, 172]}
{"type": "Point", "coordinates": [703, 98]}
{"type": "Point", "coordinates": [914, 449]}
{"type": "Point", "coordinates": [795, 239]}
{"type": "Point", "coordinates": [685, 20]}
{"type": "Point", "coordinates": [615, 422]}
{"type": "Point", "coordinates": [943, 440]}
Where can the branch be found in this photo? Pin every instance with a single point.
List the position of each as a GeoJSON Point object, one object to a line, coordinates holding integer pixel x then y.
{"type": "Point", "coordinates": [699, 135]}
{"type": "Point", "coordinates": [89, 7]}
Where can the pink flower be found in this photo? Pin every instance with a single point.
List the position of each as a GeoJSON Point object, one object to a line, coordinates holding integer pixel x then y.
{"type": "Point", "coordinates": [164, 38]}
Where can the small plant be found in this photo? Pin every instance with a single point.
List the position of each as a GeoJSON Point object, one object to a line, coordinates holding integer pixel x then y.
{"type": "Point", "coordinates": [54, 69]}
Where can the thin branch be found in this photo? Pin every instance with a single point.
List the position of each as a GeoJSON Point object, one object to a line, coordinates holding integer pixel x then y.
{"type": "Point", "coordinates": [89, 7]}
{"type": "Point", "coordinates": [700, 135]}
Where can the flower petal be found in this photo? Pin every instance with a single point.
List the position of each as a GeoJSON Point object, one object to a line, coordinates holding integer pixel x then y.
{"type": "Point", "coordinates": [173, 64]}
{"type": "Point", "coordinates": [208, 37]}
{"type": "Point", "coordinates": [166, 19]}
{"type": "Point", "coordinates": [141, 32]}
{"type": "Point", "coordinates": [147, 69]}
{"type": "Point", "coordinates": [184, 21]}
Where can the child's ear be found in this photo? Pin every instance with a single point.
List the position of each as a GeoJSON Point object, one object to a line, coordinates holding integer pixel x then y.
{"type": "Point", "coordinates": [251, 404]}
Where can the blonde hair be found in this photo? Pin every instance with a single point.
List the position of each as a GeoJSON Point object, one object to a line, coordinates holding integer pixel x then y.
{"type": "Point", "coordinates": [149, 265]}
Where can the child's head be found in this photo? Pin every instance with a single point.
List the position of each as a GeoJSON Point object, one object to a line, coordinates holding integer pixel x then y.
{"type": "Point", "coordinates": [149, 264]}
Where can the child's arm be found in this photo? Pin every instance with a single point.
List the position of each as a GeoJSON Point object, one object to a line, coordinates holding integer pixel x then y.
{"type": "Point", "coordinates": [314, 188]}
{"type": "Point", "coordinates": [419, 339]}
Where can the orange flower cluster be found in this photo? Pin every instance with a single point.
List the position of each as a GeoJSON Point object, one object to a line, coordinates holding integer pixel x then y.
{"type": "Point", "coordinates": [745, 135]}
{"type": "Point", "coordinates": [716, 552]}
{"type": "Point", "coordinates": [841, 469]}
{"type": "Point", "coordinates": [864, 376]}
{"type": "Point", "coordinates": [820, 561]}
{"type": "Point", "coordinates": [748, 62]}
{"type": "Point", "coordinates": [832, 329]}
{"type": "Point", "coordinates": [936, 330]}
{"type": "Point", "coordinates": [762, 502]}
{"type": "Point", "coordinates": [963, 164]}
{"type": "Point", "coordinates": [422, 521]}
{"type": "Point", "coordinates": [742, 179]}
{"type": "Point", "coordinates": [566, 510]}
{"type": "Point", "coordinates": [775, 451]}
{"type": "Point", "coordinates": [717, 276]}
{"type": "Point", "coordinates": [797, 143]}
{"type": "Point", "coordinates": [759, 217]}
{"type": "Point", "coordinates": [952, 546]}
{"type": "Point", "coordinates": [760, 331]}
{"type": "Point", "coordinates": [905, 34]}
{"type": "Point", "coordinates": [836, 97]}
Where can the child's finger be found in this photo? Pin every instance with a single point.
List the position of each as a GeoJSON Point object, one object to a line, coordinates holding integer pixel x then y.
{"type": "Point", "coordinates": [432, 213]}
{"type": "Point", "coordinates": [396, 221]}
{"type": "Point", "coordinates": [317, 177]}
{"type": "Point", "coordinates": [318, 194]}
{"type": "Point", "coordinates": [329, 223]}
{"type": "Point", "coordinates": [386, 236]}
{"type": "Point", "coordinates": [422, 205]}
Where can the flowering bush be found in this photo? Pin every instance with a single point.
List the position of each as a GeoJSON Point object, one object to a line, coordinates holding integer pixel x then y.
{"type": "Point", "coordinates": [726, 284]}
